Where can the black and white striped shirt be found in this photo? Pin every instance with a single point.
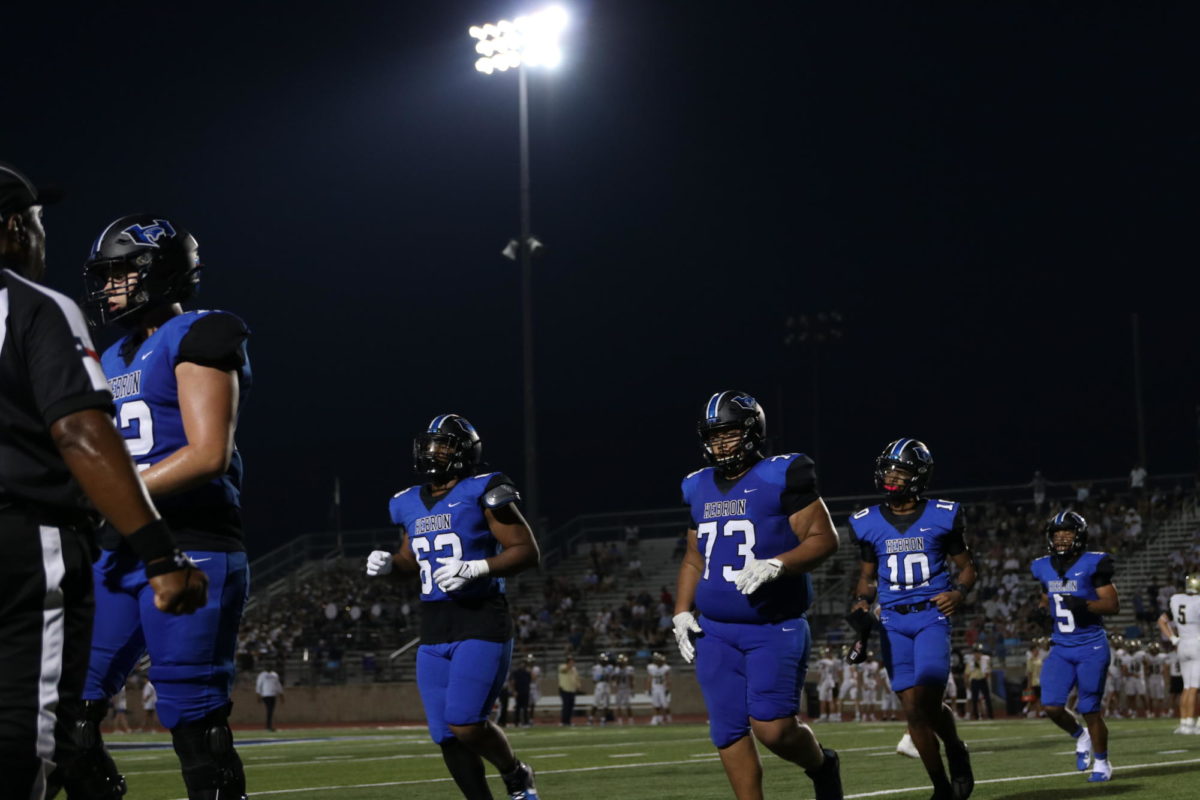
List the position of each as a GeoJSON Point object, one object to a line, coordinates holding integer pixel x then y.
{"type": "Point", "coordinates": [48, 369]}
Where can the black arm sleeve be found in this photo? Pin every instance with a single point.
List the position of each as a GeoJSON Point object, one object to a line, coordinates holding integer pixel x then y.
{"type": "Point", "coordinates": [800, 485]}
{"type": "Point", "coordinates": [64, 370]}
{"type": "Point", "coordinates": [1104, 572]}
{"type": "Point", "coordinates": [215, 340]}
{"type": "Point", "coordinates": [955, 543]}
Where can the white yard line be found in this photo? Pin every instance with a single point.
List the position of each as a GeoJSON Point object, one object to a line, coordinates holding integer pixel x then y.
{"type": "Point", "coordinates": [1119, 769]}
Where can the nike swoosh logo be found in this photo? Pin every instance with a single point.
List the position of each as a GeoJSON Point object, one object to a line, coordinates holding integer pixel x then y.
{"type": "Point", "coordinates": [201, 560]}
{"type": "Point", "coordinates": [926, 529]}
{"type": "Point", "coordinates": [1097, 647]}
{"type": "Point", "coordinates": [452, 505]}
{"type": "Point", "coordinates": [789, 629]}
{"type": "Point", "coordinates": [147, 355]}
{"type": "Point", "coordinates": [748, 491]}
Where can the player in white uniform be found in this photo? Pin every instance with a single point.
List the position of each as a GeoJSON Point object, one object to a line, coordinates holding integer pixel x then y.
{"type": "Point", "coordinates": [870, 687]}
{"type": "Point", "coordinates": [602, 672]}
{"type": "Point", "coordinates": [1183, 611]}
{"type": "Point", "coordinates": [535, 692]}
{"type": "Point", "coordinates": [1134, 667]}
{"type": "Point", "coordinates": [658, 684]}
{"type": "Point", "coordinates": [623, 679]}
{"type": "Point", "coordinates": [827, 670]}
{"type": "Point", "coordinates": [1112, 687]}
{"type": "Point", "coordinates": [1156, 682]}
{"type": "Point", "coordinates": [851, 689]}
{"type": "Point", "coordinates": [889, 703]}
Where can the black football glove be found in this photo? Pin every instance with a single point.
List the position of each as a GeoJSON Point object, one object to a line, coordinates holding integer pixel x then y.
{"type": "Point", "coordinates": [862, 622]}
{"type": "Point", "coordinates": [1075, 604]}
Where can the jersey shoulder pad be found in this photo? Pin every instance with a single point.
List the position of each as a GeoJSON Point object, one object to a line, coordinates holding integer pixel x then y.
{"type": "Point", "coordinates": [775, 467]}
{"type": "Point", "coordinates": [688, 484]}
{"type": "Point", "coordinates": [1038, 565]}
{"type": "Point", "coordinates": [860, 521]}
{"type": "Point", "coordinates": [398, 503]}
{"type": "Point", "coordinates": [501, 495]}
{"type": "Point", "coordinates": [947, 509]}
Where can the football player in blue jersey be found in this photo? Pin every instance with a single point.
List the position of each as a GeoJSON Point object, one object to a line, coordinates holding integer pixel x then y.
{"type": "Point", "coordinates": [909, 538]}
{"type": "Point", "coordinates": [463, 534]}
{"type": "Point", "coordinates": [179, 379]}
{"type": "Point", "coordinates": [758, 528]}
{"type": "Point", "coordinates": [1077, 589]}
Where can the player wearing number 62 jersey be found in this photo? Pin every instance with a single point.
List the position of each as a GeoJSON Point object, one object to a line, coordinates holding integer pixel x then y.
{"type": "Point", "coordinates": [179, 379]}
{"type": "Point", "coordinates": [758, 528]}
{"type": "Point", "coordinates": [462, 532]}
{"type": "Point", "coordinates": [1078, 588]}
{"type": "Point", "coordinates": [903, 546]}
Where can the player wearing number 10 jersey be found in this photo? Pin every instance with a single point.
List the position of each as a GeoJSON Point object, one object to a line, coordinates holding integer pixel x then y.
{"type": "Point", "coordinates": [903, 546]}
{"type": "Point", "coordinates": [758, 528]}
{"type": "Point", "coordinates": [1078, 588]}
{"type": "Point", "coordinates": [462, 532]}
{"type": "Point", "coordinates": [179, 379]}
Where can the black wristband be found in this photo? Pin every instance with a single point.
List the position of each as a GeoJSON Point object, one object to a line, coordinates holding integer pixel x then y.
{"type": "Point", "coordinates": [152, 541]}
{"type": "Point", "coordinates": [176, 561]}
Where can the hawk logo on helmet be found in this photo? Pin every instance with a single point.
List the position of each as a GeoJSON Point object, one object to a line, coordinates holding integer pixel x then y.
{"type": "Point", "coordinates": [745, 401]}
{"type": "Point", "coordinates": [150, 234]}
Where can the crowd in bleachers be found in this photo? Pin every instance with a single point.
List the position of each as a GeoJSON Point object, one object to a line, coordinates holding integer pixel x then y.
{"type": "Point", "coordinates": [333, 610]}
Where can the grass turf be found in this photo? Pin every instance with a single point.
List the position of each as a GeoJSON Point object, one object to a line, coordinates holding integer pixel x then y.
{"type": "Point", "coordinates": [1026, 759]}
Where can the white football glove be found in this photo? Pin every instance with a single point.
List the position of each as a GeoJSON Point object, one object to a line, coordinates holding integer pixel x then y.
{"type": "Point", "coordinates": [379, 563]}
{"type": "Point", "coordinates": [685, 625]}
{"type": "Point", "coordinates": [1174, 641]}
{"type": "Point", "coordinates": [454, 574]}
{"type": "Point", "coordinates": [756, 573]}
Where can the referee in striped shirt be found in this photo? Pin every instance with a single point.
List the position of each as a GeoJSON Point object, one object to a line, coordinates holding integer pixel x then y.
{"type": "Point", "coordinates": [58, 451]}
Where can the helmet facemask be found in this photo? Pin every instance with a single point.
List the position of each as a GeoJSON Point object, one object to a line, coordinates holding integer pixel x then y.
{"type": "Point", "coordinates": [1191, 583]}
{"type": "Point", "coordinates": [438, 457]}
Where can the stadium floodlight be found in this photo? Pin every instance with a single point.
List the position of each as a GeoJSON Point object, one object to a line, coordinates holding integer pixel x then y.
{"type": "Point", "coordinates": [531, 40]}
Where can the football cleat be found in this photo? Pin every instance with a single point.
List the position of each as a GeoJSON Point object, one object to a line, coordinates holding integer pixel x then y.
{"type": "Point", "coordinates": [1101, 772]}
{"type": "Point", "coordinates": [905, 747]}
{"type": "Point", "coordinates": [1083, 751]}
{"type": "Point", "coordinates": [519, 783]}
{"type": "Point", "coordinates": [962, 779]}
{"type": "Point", "coordinates": [827, 778]}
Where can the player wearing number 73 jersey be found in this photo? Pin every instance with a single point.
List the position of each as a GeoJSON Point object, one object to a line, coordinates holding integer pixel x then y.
{"type": "Point", "coordinates": [179, 379]}
{"type": "Point", "coordinates": [1078, 589]}
{"type": "Point", "coordinates": [758, 528]}
{"type": "Point", "coordinates": [462, 532]}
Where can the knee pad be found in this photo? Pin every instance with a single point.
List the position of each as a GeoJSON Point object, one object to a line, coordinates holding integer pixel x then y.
{"type": "Point", "coordinates": [211, 767]}
{"type": "Point", "coordinates": [92, 775]}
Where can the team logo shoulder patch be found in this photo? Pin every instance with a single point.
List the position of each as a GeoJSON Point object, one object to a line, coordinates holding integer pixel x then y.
{"type": "Point", "coordinates": [148, 235]}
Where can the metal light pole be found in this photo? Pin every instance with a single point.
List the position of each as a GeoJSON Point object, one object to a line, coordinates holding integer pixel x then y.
{"type": "Point", "coordinates": [522, 43]}
{"type": "Point", "coordinates": [814, 330]}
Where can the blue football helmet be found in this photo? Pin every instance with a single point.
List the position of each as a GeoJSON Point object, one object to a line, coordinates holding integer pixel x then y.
{"type": "Point", "coordinates": [1067, 521]}
{"type": "Point", "coordinates": [449, 448]}
{"type": "Point", "coordinates": [911, 457]}
{"type": "Point", "coordinates": [739, 412]}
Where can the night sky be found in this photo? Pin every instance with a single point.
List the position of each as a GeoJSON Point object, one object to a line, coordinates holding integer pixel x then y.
{"type": "Point", "coordinates": [985, 191]}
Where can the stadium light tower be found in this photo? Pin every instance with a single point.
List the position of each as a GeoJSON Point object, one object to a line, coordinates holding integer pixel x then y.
{"type": "Point", "coordinates": [526, 41]}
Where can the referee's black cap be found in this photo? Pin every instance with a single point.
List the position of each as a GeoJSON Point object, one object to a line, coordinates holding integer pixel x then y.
{"type": "Point", "coordinates": [18, 193]}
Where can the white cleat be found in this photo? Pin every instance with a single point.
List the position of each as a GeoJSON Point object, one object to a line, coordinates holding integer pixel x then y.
{"type": "Point", "coordinates": [906, 747]}
{"type": "Point", "coordinates": [1101, 771]}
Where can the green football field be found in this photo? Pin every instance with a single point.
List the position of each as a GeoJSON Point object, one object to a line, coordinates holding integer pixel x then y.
{"type": "Point", "coordinates": [1012, 759]}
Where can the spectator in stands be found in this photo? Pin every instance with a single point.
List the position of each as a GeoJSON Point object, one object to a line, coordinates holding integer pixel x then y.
{"type": "Point", "coordinates": [568, 687]}
{"type": "Point", "coordinates": [632, 537]}
{"type": "Point", "coordinates": [1039, 491]}
{"type": "Point", "coordinates": [1137, 480]}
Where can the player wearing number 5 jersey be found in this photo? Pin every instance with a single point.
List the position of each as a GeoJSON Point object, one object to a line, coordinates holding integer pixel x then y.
{"type": "Point", "coordinates": [463, 534]}
{"type": "Point", "coordinates": [758, 528]}
{"type": "Point", "coordinates": [1078, 589]}
{"type": "Point", "coordinates": [1184, 611]}
{"type": "Point", "coordinates": [903, 546]}
{"type": "Point", "coordinates": [179, 379]}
